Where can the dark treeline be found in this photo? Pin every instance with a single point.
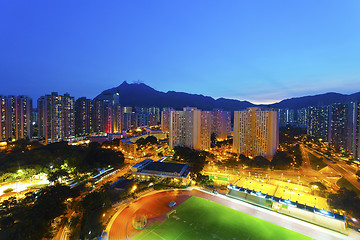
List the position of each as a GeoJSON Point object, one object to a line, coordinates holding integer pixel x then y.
{"type": "Point", "coordinates": [196, 159]}
{"type": "Point", "coordinates": [289, 134]}
{"type": "Point", "coordinates": [145, 141]}
{"type": "Point", "coordinates": [347, 200]}
{"type": "Point", "coordinates": [282, 160]}
{"type": "Point", "coordinates": [33, 217]}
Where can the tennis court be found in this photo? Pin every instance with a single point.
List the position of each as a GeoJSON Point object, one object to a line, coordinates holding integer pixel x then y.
{"type": "Point", "coordinates": [257, 184]}
{"type": "Point", "coordinates": [285, 190]}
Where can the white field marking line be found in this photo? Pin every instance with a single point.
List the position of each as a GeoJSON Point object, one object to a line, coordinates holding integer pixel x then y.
{"type": "Point", "coordinates": [152, 231]}
{"type": "Point", "coordinates": [183, 233]}
{"type": "Point", "coordinates": [285, 217]}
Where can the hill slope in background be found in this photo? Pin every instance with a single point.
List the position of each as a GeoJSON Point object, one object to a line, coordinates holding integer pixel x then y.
{"type": "Point", "coordinates": [140, 94]}
{"type": "Point", "coordinates": [316, 100]}
{"type": "Point", "coordinates": [144, 96]}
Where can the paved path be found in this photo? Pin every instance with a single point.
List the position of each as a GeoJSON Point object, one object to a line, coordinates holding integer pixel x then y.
{"type": "Point", "coordinates": [344, 169]}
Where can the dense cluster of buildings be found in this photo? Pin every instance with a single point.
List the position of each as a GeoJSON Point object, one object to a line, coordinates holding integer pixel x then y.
{"type": "Point", "coordinates": [338, 124]}
{"type": "Point", "coordinates": [15, 117]}
{"type": "Point", "coordinates": [193, 127]}
{"type": "Point", "coordinates": [60, 117]}
{"type": "Point", "coordinates": [255, 131]}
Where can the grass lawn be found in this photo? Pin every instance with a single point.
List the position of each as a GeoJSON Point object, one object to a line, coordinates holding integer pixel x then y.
{"type": "Point", "coordinates": [198, 218]}
{"type": "Point", "coordinates": [315, 162]}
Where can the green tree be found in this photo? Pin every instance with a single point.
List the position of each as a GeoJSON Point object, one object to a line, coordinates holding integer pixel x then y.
{"type": "Point", "coordinates": [55, 175]}
{"type": "Point", "coordinates": [281, 160]}
{"type": "Point", "coordinates": [346, 200]}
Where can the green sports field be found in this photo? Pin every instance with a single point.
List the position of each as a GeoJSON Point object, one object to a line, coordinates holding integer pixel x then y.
{"type": "Point", "coordinates": [198, 218]}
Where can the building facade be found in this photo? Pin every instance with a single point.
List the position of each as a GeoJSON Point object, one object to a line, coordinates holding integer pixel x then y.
{"type": "Point", "coordinates": [190, 128]}
{"type": "Point", "coordinates": [165, 120]}
{"type": "Point", "coordinates": [83, 119]}
{"type": "Point", "coordinates": [56, 117]}
{"type": "Point", "coordinates": [256, 132]}
{"type": "Point", "coordinates": [302, 117]}
{"type": "Point", "coordinates": [318, 125]}
{"type": "Point", "coordinates": [286, 117]}
{"type": "Point", "coordinates": [15, 117]}
{"type": "Point", "coordinates": [341, 124]}
{"type": "Point", "coordinates": [221, 123]}
{"type": "Point", "coordinates": [4, 121]}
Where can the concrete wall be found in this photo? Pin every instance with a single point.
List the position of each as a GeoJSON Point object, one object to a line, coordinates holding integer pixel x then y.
{"type": "Point", "coordinates": [324, 221]}
{"type": "Point", "coordinates": [315, 218]}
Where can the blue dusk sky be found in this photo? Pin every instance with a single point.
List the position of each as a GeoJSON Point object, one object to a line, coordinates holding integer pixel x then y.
{"type": "Point", "coordinates": [257, 50]}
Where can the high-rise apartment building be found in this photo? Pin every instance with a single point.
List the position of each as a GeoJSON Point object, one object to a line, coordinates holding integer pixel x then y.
{"type": "Point", "coordinates": [127, 121]}
{"type": "Point", "coordinates": [117, 118]}
{"type": "Point", "coordinates": [156, 112]}
{"type": "Point", "coordinates": [356, 130]}
{"type": "Point", "coordinates": [256, 132]}
{"type": "Point", "coordinates": [12, 116]}
{"type": "Point", "coordinates": [4, 119]}
{"type": "Point", "coordinates": [286, 117]}
{"type": "Point", "coordinates": [34, 124]}
{"type": "Point", "coordinates": [343, 120]}
{"type": "Point", "coordinates": [190, 128]}
{"type": "Point", "coordinates": [221, 123]}
{"type": "Point", "coordinates": [142, 119]}
{"type": "Point", "coordinates": [23, 112]}
{"type": "Point", "coordinates": [83, 118]}
{"type": "Point", "coordinates": [318, 125]}
{"type": "Point", "coordinates": [107, 114]}
{"type": "Point", "coordinates": [56, 117]}
{"type": "Point", "coordinates": [69, 115]}
{"type": "Point", "coordinates": [127, 110]}
{"type": "Point", "coordinates": [165, 120]}
{"type": "Point", "coordinates": [98, 116]}
{"type": "Point", "coordinates": [15, 117]}
{"type": "Point", "coordinates": [302, 117]}
{"type": "Point", "coordinates": [153, 120]}
{"type": "Point", "coordinates": [205, 130]}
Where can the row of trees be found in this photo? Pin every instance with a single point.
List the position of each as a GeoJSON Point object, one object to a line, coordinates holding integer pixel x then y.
{"type": "Point", "coordinates": [281, 161]}
{"type": "Point", "coordinates": [150, 140]}
{"type": "Point", "coordinates": [197, 160]}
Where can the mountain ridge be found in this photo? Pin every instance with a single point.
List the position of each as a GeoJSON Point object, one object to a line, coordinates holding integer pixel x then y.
{"type": "Point", "coordinates": [142, 95]}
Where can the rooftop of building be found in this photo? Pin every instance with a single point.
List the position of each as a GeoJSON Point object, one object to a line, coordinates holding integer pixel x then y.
{"type": "Point", "coordinates": [142, 164]}
{"type": "Point", "coordinates": [163, 167]}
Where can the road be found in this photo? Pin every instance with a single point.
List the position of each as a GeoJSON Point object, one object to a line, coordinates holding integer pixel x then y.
{"type": "Point", "coordinates": [306, 161]}
{"type": "Point", "coordinates": [155, 205]}
{"type": "Point", "coordinates": [348, 172]}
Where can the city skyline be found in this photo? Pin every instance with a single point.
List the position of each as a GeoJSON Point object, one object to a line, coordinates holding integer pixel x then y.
{"type": "Point", "coordinates": [247, 51]}
{"type": "Point", "coordinates": [179, 119]}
